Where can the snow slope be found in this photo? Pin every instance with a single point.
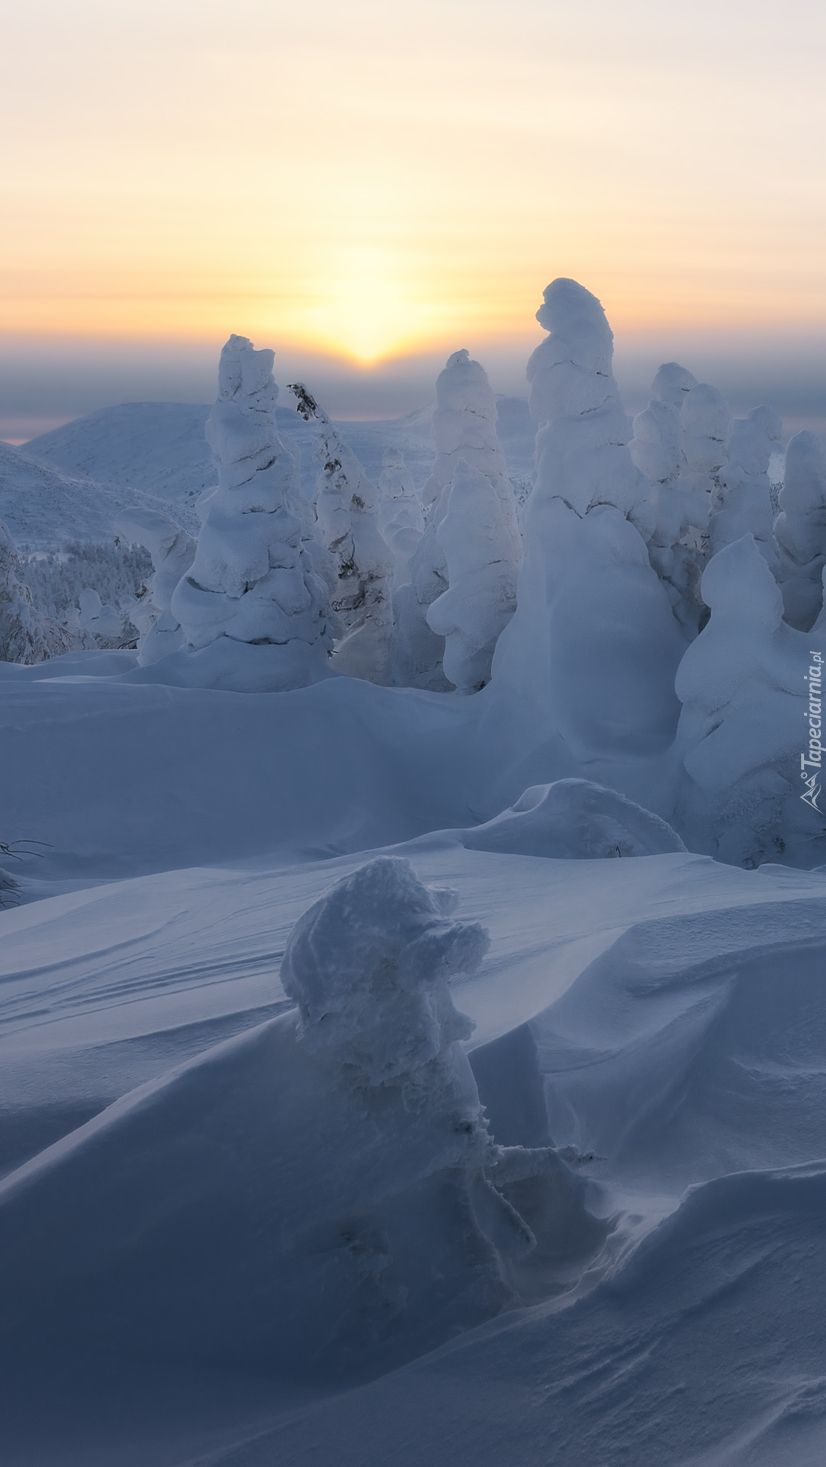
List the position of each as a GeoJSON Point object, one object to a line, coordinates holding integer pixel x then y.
{"type": "Point", "coordinates": [44, 507]}
{"type": "Point", "coordinates": [673, 1014]}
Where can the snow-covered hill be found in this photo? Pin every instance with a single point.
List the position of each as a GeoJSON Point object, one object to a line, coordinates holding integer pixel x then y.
{"type": "Point", "coordinates": [44, 506]}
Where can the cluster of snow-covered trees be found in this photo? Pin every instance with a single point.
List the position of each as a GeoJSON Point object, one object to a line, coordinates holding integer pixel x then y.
{"type": "Point", "coordinates": [649, 602]}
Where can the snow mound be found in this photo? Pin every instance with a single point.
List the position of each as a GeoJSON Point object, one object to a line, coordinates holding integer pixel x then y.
{"type": "Point", "coordinates": [321, 1194]}
{"type": "Point", "coordinates": [574, 819]}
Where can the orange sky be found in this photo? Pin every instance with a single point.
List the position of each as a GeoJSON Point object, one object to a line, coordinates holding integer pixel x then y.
{"type": "Point", "coordinates": [368, 179]}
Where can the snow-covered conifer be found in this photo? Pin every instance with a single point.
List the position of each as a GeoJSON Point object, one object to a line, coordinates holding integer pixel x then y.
{"type": "Point", "coordinates": [251, 580]}
{"type": "Point", "coordinates": [400, 512]}
{"type": "Point", "coordinates": [172, 551]}
{"type": "Point", "coordinates": [464, 429]}
{"type": "Point", "coordinates": [672, 383]}
{"type": "Point", "coordinates": [742, 504]}
{"type": "Point", "coordinates": [800, 529]}
{"type": "Point", "coordinates": [705, 419]}
{"type": "Point", "coordinates": [347, 510]}
{"type": "Point", "coordinates": [680, 516]}
{"type": "Point", "coordinates": [24, 636]}
{"type": "Point", "coordinates": [592, 648]}
{"type": "Point", "coordinates": [481, 596]}
{"type": "Point", "coordinates": [742, 729]}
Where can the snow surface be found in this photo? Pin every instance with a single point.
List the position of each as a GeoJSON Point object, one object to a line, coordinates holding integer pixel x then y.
{"type": "Point", "coordinates": [381, 1077]}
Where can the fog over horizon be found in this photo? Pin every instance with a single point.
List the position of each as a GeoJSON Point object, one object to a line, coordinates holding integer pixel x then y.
{"type": "Point", "coordinates": [44, 384]}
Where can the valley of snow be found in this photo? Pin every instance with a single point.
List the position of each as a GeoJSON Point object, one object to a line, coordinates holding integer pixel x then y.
{"type": "Point", "coordinates": [391, 1073]}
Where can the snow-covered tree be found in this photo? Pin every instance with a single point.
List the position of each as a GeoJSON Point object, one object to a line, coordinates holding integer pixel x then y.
{"type": "Point", "coordinates": [464, 430]}
{"type": "Point", "coordinates": [347, 511]}
{"type": "Point", "coordinates": [800, 529]}
{"type": "Point", "coordinates": [680, 516]}
{"type": "Point", "coordinates": [251, 581]}
{"type": "Point", "coordinates": [672, 383]}
{"type": "Point", "coordinates": [481, 596]}
{"type": "Point", "coordinates": [742, 732]}
{"type": "Point", "coordinates": [705, 418]}
{"type": "Point", "coordinates": [24, 635]}
{"type": "Point", "coordinates": [172, 551]}
{"type": "Point", "coordinates": [593, 647]}
{"type": "Point", "coordinates": [400, 512]}
{"type": "Point", "coordinates": [742, 504]}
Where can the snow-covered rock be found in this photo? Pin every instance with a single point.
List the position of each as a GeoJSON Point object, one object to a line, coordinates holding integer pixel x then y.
{"type": "Point", "coordinates": [347, 506]}
{"type": "Point", "coordinates": [172, 551]}
{"type": "Point", "coordinates": [250, 581]}
{"type": "Point", "coordinates": [800, 529]}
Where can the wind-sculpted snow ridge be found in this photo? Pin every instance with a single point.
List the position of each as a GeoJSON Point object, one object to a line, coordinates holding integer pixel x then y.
{"type": "Point", "coordinates": [321, 1195]}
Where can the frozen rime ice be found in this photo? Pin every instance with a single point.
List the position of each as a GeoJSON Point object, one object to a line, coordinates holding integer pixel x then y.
{"type": "Point", "coordinates": [347, 510]}
{"type": "Point", "coordinates": [172, 551]}
{"type": "Point", "coordinates": [251, 580]}
{"type": "Point", "coordinates": [592, 649]}
{"type": "Point", "coordinates": [680, 516]}
{"type": "Point", "coordinates": [800, 529]}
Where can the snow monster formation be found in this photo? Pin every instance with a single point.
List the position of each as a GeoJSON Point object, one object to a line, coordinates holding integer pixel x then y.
{"type": "Point", "coordinates": [591, 652]}
{"type": "Point", "coordinates": [347, 510]}
{"type": "Point", "coordinates": [172, 551]}
{"type": "Point", "coordinates": [463, 574]}
{"type": "Point", "coordinates": [750, 729]}
{"type": "Point", "coordinates": [400, 513]}
{"type": "Point", "coordinates": [742, 504]}
{"type": "Point", "coordinates": [675, 544]}
{"type": "Point", "coordinates": [251, 582]}
{"type": "Point", "coordinates": [800, 529]}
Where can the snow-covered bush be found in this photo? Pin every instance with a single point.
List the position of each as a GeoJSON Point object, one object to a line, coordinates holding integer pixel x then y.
{"type": "Point", "coordinates": [347, 511]}
{"type": "Point", "coordinates": [742, 504]}
{"type": "Point", "coordinates": [592, 649]}
{"type": "Point", "coordinates": [476, 538]}
{"type": "Point", "coordinates": [743, 728]}
{"type": "Point", "coordinates": [800, 529]}
{"type": "Point", "coordinates": [464, 431]}
{"type": "Point", "coordinates": [251, 581]}
{"type": "Point", "coordinates": [172, 551]}
{"type": "Point", "coordinates": [574, 819]}
{"type": "Point", "coordinates": [25, 635]}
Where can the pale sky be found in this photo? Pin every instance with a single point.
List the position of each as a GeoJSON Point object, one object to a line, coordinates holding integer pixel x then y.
{"type": "Point", "coordinates": [374, 179]}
